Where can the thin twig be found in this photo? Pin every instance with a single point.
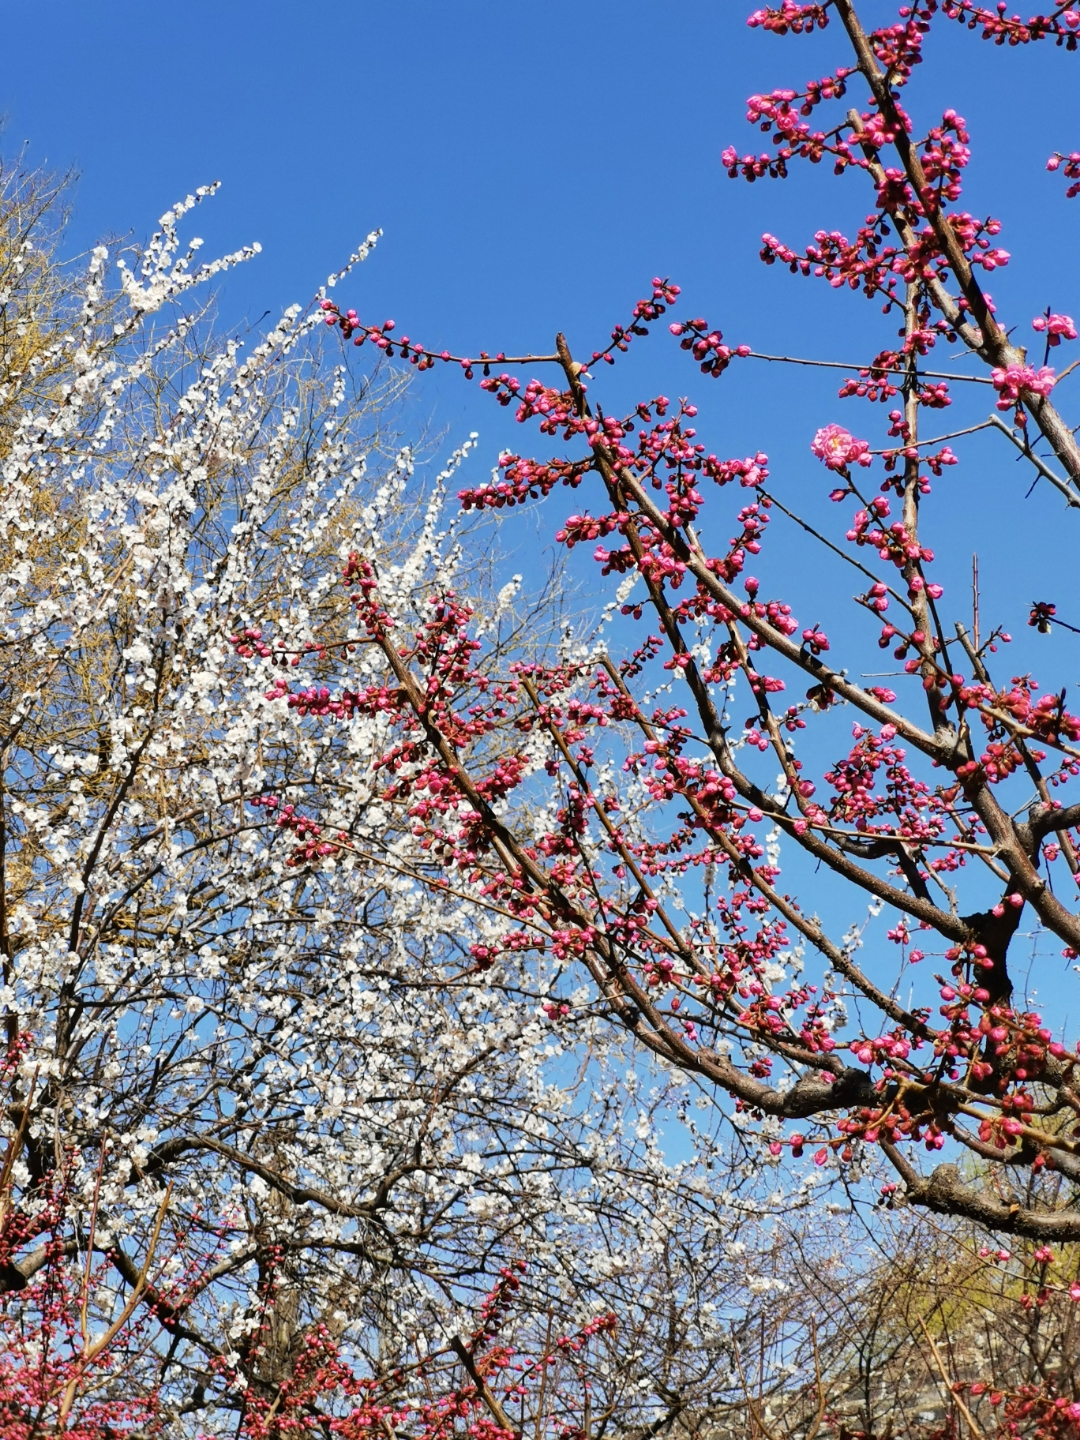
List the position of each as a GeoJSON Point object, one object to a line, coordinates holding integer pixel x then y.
{"type": "Point", "coordinates": [1025, 449]}
{"type": "Point", "coordinates": [875, 369]}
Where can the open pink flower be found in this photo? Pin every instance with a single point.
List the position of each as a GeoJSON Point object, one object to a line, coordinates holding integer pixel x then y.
{"type": "Point", "coordinates": [837, 447]}
{"type": "Point", "coordinates": [1016, 381]}
{"type": "Point", "coordinates": [1059, 327]}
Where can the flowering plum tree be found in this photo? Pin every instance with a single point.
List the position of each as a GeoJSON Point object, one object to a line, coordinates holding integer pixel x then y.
{"type": "Point", "coordinates": [602, 810]}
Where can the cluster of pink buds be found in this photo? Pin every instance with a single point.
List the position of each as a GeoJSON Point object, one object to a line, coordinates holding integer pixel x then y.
{"type": "Point", "coordinates": [1072, 171]}
{"type": "Point", "coordinates": [882, 1048]}
{"type": "Point", "coordinates": [752, 167]}
{"type": "Point", "coordinates": [799, 19]}
{"type": "Point", "coordinates": [664, 293]}
{"type": "Point", "coordinates": [1005, 29]}
{"type": "Point", "coordinates": [497, 1301]}
{"type": "Point", "coordinates": [249, 642]}
{"type": "Point", "coordinates": [707, 346]}
{"type": "Point", "coordinates": [1042, 612]}
{"type": "Point", "coordinates": [317, 700]}
{"type": "Point", "coordinates": [308, 832]}
{"type": "Point", "coordinates": [797, 1142]}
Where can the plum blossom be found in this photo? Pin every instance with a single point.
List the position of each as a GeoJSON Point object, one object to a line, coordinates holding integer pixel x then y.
{"type": "Point", "coordinates": [1015, 381]}
{"type": "Point", "coordinates": [837, 448]}
{"type": "Point", "coordinates": [1057, 327]}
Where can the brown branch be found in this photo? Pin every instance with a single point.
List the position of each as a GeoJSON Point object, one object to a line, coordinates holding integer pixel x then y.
{"type": "Point", "coordinates": [483, 1388]}
{"type": "Point", "coordinates": [945, 1193]}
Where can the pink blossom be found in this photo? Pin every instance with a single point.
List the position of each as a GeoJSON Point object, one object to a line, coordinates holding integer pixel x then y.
{"type": "Point", "coordinates": [1015, 381]}
{"type": "Point", "coordinates": [1058, 327]}
{"type": "Point", "coordinates": [837, 448]}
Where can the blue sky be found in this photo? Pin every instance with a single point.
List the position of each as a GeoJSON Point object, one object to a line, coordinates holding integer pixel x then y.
{"type": "Point", "coordinates": [532, 168]}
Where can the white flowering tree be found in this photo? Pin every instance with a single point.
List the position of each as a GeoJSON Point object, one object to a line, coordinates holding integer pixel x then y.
{"type": "Point", "coordinates": [263, 1110]}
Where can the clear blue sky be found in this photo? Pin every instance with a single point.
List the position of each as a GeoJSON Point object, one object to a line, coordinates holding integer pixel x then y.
{"type": "Point", "coordinates": [532, 167]}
